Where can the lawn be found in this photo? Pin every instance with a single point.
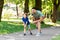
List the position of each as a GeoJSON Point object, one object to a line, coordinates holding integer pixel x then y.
{"type": "Point", "coordinates": [11, 27]}
{"type": "Point", "coordinates": [56, 38]}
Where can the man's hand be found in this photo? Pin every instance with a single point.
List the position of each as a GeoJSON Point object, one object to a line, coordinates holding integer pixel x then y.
{"type": "Point", "coordinates": [41, 19]}
{"type": "Point", "coordinates": [36, 21]}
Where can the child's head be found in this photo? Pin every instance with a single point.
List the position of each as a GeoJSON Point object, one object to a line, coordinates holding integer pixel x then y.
{"type": "Point", "coordinates": [25, 15]}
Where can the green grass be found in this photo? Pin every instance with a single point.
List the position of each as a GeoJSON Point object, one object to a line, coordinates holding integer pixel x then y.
{"type": "Point", "coordinates": [58, 22]}
{"type": "Point", "coordinates": [56, 38]}
{"type": "Point", "coordinates": [11, 27]}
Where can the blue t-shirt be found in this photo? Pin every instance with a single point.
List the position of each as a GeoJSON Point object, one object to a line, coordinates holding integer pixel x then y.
{"type": "Point", "coordinates": [25, 20]}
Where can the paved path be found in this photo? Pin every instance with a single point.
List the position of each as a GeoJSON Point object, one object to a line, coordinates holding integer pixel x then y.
{"type": "Point", "coordinates": [47, 34]}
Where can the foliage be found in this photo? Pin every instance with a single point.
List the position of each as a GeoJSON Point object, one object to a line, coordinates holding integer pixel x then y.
{"type": "Point", "coordinates": [14, 1]}
{"type": "Point", "coordinates": [7, 16]}
{"type": "Point", "coordinates": [47, 6]}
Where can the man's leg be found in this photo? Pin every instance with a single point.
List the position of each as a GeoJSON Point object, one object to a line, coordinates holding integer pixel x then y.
{"type": "Point", "coordinates": [36, 26]}
{"type": "Point", "coordinates": [39, 29]}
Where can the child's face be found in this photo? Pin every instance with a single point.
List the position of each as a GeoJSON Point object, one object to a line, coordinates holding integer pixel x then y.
{"type": "Point", "coordinates": [24, 15]}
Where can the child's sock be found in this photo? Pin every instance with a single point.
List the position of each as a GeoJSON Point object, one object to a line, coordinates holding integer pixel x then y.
{"type": "Point", "coordinates": [30, 33]}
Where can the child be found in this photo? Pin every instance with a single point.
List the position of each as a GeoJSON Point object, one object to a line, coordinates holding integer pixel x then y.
{"type": "Point", "coordinates": [26, 23]}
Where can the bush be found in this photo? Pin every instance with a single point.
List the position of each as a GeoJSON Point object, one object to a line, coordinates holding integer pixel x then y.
{"type": "Point", "coordinates": [7, 16]}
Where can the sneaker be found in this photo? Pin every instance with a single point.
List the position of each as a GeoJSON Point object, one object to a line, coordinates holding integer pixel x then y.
{"type": "Point", "coordinates": [30, 33]}
{"type": "Point", "coordinates": [24, 34]}
{"type": "Point", "coordinates": [38, 34]}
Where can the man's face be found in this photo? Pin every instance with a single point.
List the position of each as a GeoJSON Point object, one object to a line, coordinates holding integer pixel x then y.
{"type": "Point", "coordinates": [33, 11]}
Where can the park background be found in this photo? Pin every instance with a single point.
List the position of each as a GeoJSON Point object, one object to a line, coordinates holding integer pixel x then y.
{"type": "Point", "coordinates": [11, 12]}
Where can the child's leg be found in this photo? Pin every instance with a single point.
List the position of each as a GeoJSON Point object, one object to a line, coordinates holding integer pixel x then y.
{"type": "Point", "coordinates": [24, 28]}
{"type": "Point", "coordinates": [29, 29]}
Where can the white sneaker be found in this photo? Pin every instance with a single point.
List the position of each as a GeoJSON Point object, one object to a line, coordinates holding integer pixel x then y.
{"type": "Point", "coordinates": [38, 34]}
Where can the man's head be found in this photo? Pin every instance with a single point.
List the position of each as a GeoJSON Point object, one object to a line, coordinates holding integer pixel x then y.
{"type": "Point", "coordinates": [33, 10]}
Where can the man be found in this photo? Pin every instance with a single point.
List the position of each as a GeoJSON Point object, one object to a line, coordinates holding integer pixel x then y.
{"type": "Point", "coordinates": [37, 19]}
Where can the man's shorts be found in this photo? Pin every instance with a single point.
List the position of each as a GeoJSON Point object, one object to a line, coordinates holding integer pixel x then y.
{"type": "Point", "coordinates": [36, 19]}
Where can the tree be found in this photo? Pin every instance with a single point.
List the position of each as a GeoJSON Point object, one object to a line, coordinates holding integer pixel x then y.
{"type": "Point", "coordinates": [16, 2]}
{"type": "Point", "coordinates": [38, 4]}
{"type": "Point", "coordinates": [26, 6]}
{"type": "Point", "coordinates": [1, 6]}
{"type": "Point", "coordinates": [55, 7]}
{"type": "Point", "coordinates": [47, 7]}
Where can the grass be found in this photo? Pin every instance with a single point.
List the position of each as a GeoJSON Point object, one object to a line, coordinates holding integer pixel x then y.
{"type": "Point", "coordinates": [58, 22]}
{"type": "Point", "coordinates": [11, 27]}
{"type": "Point", "coordinates": [56, 38]}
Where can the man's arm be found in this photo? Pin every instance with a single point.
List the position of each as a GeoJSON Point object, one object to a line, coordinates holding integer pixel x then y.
{"type": "Point", "coordinates": [40, 20]}
{"type": "Point", "coordinates": [32, 18]}
{"type": "Point", "coordinates": [42, 16]}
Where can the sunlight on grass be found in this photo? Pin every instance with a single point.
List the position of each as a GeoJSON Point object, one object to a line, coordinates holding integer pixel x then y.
{"type": "Point", "coordinates": [54, 24]}
{"type": "Point", "coordinates": [56, 38]}
{"type": "Point", "coordinates": [5, 28]}
{"type": "Point", "coordinates": [49, 22]}
{"type": "Point", "coordinates": [11, 27]}
{"type": "Point", "coordinates": [16, 23]}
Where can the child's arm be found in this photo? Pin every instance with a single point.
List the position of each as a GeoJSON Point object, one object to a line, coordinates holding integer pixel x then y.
{"type": "Point", "coordinates": [23, 21]}
{"type": "Point", "coordinates": [27, 20]}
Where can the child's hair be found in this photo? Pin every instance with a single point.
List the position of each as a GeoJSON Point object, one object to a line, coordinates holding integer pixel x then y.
{"type": "Point", "coordinates": [25, 14]}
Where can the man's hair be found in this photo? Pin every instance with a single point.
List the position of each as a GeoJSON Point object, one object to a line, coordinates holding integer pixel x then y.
{"type": "Point", "coordinates": [34, 8]}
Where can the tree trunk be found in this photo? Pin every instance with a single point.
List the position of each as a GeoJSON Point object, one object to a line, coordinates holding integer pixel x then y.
{"type": "Point", "coordinates": [54, 14]}
{"type": "Point", "coordinates": [38, 4]}
{"type": "Point", "coordinates": [55, 7]}
{"type": "Point", "coordinates": [1, 6]}
{"type": "Point", "coordinates": [17, 10]}
{"type": "Point", "coordinates": [26, 8]}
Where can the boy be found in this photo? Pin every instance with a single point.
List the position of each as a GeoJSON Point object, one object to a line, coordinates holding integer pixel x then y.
{"type": "Point", "coordinates": [26, 23]}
